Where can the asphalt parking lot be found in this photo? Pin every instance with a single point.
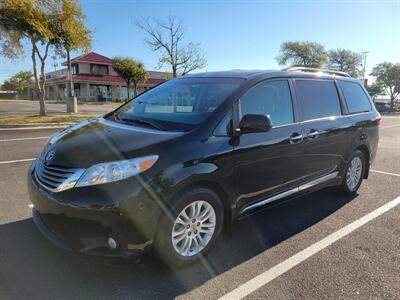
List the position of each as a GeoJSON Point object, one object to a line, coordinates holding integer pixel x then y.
{"type": "Point", "coordinates": [364, 263]}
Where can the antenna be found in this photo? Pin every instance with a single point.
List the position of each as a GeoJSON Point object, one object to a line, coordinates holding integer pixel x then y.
{"type": "Point", "coordinates": [54, 64]}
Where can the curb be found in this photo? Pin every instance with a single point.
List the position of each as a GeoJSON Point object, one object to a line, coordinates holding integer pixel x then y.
{"type": "Point", "coordinates": [34, 126]}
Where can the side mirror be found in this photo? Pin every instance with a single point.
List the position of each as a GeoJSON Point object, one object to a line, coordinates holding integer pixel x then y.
{"type": "Point", "coordinates": [255, 123]}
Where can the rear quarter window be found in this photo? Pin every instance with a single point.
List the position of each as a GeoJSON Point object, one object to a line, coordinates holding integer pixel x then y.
{"type": "Point", "coordinates": [356, 99]}
{"type": "Point", "coordinates": [317, 99]}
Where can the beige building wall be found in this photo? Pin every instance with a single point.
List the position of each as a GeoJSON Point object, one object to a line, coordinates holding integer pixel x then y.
{"type": "Point", "coordinates": [111, 71]}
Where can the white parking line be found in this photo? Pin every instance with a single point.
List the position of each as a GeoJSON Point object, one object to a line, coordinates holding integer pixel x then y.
{"type": "Point", "coordinates": [386, 173]}
{"type": "Point", "coordinates": [26, 139]}
{"type": "Point", "coordinates": [269, 275]}
{"type": "Point", "coordinates": [16, 161]}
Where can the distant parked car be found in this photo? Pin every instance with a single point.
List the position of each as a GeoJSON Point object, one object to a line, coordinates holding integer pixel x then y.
{"type": "Point", "coordinates": [175, 165]}
{"type": "Point", "coordinates": [382, 107]}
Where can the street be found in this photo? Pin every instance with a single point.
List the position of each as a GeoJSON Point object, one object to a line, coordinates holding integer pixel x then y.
{"type": "Point", "coordinates": [365, 263]}
{"type": "Point", "coordinates": [32, 108]}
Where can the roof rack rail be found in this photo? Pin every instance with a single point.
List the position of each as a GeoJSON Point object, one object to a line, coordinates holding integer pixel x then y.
{"type": "Point", "coordinates": [316, 70]}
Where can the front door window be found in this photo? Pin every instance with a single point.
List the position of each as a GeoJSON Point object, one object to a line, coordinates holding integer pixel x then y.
{"type": "Point", "coordinates": [271, 98]}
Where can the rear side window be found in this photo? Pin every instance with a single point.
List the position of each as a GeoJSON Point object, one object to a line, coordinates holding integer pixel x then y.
{"type": "Point", "coordinates": [317, 99]}
{"type": "Point", "coordinates": [356, 99]}
{"type": "Point", "coordinates": [271, 98]}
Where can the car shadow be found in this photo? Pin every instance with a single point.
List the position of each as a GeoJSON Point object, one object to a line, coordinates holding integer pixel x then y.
{"type": "Point", "coordinates": [32, 267]}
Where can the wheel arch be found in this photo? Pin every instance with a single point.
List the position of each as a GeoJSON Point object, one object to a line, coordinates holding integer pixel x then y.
{"type": "Point", "coordinates": [365, 150]}
{"type": "Point", "coordinates": [218, 189]}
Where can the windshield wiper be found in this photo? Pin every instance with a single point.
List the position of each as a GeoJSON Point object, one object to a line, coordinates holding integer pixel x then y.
{"type": "Point", "coordinates": [143, 122]}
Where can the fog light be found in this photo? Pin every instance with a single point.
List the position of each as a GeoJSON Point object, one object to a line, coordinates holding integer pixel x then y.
{"type": "Point", "coordinates": [112, 243]}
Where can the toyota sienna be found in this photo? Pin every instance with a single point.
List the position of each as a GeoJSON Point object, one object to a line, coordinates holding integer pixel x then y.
{"type": "Point", "coordinates": [171, 168]}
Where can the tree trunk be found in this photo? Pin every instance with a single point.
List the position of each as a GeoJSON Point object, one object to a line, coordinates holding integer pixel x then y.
{"type": "Point", "coordinates": [128, 86]}
{"type": "Point", "coordinates": [135, 88]}
{"type": "Point", "coordinates": [392, 103]}
{"type": "Point", "coordinates": [42, 88]}
{"type": "Point", "coordinates": [43, 77]}
{"type": "Point", "coordinates": [174, 71]}
{"type": "Point", "coordinates": [42, 108]}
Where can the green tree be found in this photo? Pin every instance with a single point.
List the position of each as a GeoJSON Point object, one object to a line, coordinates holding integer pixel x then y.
{"type": "Point", "coordinates": [18, 82]}
{"type": "Point", "coordinates": [131, 71]}
{"type": "Point", "coordinates": [10, 45]}
{"type": "Point", "coordinates": [71, 35]}
{"type": "Point", "coordinates": [344, 60]}
{"type": "Point", "coordinates": [302, 54]}
{"type": "Point", "coordinates": [167, 36]}
{"type": "Point", "coordinates": [28, 20]}
{"type": "Point", "coordinates": [43, 23]}
{"type": "Point", "coordinates": [374, 90]}
{"type": "Point", "coordinates": [387, 76]}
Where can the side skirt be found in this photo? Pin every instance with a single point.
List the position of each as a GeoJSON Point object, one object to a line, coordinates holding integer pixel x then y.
{"type": "Point", "coordinates": [290, 192]}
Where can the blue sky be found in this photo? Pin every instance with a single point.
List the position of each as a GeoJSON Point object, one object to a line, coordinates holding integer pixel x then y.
{"type": "Point", "coordinates": [243, 34]}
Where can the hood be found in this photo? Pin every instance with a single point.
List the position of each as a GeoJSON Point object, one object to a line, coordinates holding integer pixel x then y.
{"type": "Point", "coordinates": [99, 140]}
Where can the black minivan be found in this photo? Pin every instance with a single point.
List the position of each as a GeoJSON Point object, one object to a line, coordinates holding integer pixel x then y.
{"type": "Point", "coordinates": [177, 164]}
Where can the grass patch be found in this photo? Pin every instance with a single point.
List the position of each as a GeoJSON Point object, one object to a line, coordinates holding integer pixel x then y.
{"type": "Point", "coordinates": [29, 119]}
{"type": "Point", "coordinates": [102, 103]}
{"type": "Point", "coordinates": [15, 101]}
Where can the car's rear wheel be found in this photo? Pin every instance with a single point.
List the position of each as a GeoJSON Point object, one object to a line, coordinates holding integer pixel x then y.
{"type": "Point", "coordinates": [354, 175]}
{"type": "Point", "coordinates": [189, 229]}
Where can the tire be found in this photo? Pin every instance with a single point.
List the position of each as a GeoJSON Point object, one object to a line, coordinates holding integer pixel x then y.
{"type": "Point", "coordinates": [174, 254]}
{"type": "Point", "coordinates": [353, 175]}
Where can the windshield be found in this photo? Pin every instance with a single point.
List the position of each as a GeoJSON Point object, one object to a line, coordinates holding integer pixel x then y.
{"type": "Point", "coordinates": [179, 104]}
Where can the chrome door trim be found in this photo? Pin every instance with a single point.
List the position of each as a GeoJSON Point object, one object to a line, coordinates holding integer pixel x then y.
{"type": "Point", "coordinates": [290, 192]}
{"type": "Point", "coordinates": [317, 181]}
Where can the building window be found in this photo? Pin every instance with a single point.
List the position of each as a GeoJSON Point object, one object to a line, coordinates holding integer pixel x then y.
{"type": "Point", "coordinates": [75, 69]}
{"type": "Point", "coordinates": [100, 92]}
{"type": "Point", "coordinates": [77, 90]}
{"type": "Point", "coordinates": [123, 93]}
{"type": "Point", "coordinates": [99, 69]}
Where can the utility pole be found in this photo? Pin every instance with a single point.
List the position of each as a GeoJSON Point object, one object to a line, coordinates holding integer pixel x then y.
{"type": "Point", "coordinates": [55, 64]}
{"type": "Point", "coordinates": [365, 62]}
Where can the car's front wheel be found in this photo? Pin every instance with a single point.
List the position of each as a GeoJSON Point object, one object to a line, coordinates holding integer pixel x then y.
{"type": "Point", "coordinates": [189, 229]}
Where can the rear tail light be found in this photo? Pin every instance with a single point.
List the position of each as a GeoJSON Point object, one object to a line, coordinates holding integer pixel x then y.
{"type": "Point", "coordinates": [378, 120]}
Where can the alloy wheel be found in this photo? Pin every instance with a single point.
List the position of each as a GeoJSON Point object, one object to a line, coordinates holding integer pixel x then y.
{"type": "Point", "coordinates": [193, 228]}
{"type": "Point", "coordinates": [354, 173]}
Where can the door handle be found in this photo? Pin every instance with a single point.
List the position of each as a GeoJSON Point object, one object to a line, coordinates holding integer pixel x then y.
{"type": "Point", "coordinates": [313, 134]}
{"type": "Point", "coordinates": [295, 138]}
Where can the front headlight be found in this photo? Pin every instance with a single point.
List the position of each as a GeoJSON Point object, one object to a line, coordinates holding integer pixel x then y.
{"type": "Point", "coordinates": [117, 170]}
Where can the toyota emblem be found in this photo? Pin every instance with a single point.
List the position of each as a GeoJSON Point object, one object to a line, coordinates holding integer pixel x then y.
{"type": "Point", "coordinates": [50, 155]}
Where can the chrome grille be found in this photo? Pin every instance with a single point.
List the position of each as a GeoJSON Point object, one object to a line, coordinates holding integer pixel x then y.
{"type": "Point", "coordinates": [55, 178]}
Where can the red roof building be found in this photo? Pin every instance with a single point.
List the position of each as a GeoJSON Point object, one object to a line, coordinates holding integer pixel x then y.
{"type": "Point", "coordinates": [94, 80]}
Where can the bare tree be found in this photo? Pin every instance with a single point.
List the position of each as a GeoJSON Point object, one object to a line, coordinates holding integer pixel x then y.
{"type": "Point", "coordinates": [166, 36]}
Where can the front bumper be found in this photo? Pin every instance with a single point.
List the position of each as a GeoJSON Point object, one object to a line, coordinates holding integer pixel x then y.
{"type": "Point", "coordinates": [83, 219]}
